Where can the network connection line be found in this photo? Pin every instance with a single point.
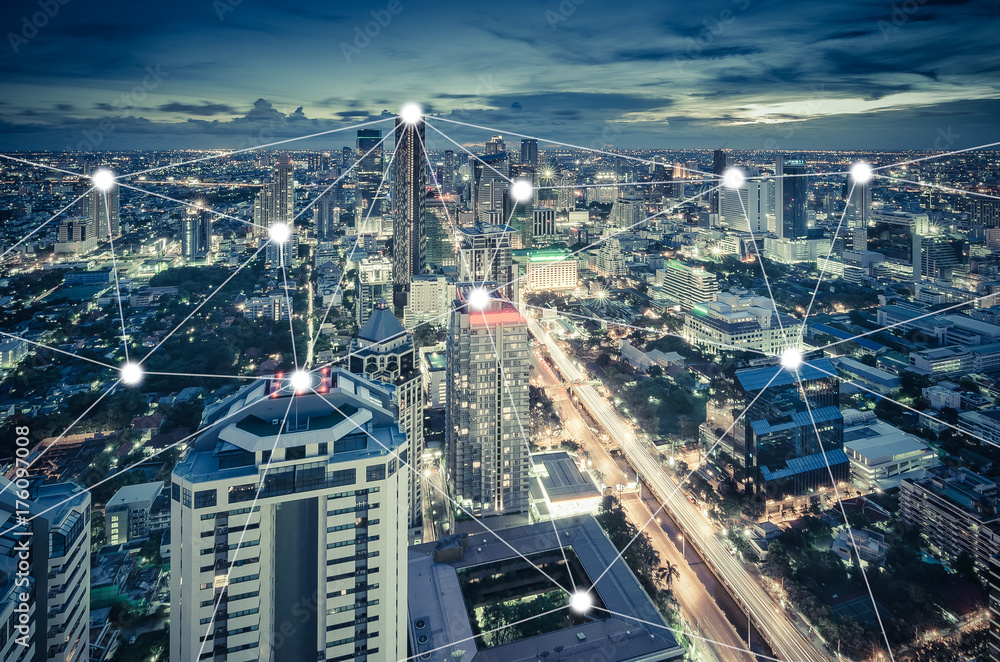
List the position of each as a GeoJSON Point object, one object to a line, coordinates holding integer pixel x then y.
{"type": "Point", "coordinates": [42, 165]}
{"type": "Point", "coordinates": [822, 271]}
{"type": "Point", "coordinates": [478, 520]}
{"type": "Point", "coordinates": [206, 300]}
{"type": "Point", "coordinates": [686, 478]}
{"type": "Point", "coordinates": [193, 206]}
{"type": "Point", "coordinates": [843, 511]}
{"type": "Point", "coordinates": [79, 418]}
{"type": "Point", "coordinates": [114, 270]}
{"type": "Point", "coordinates": [937, 156]}
{"type": "Point", "coordinates": [58, 351]}
{"type": "Point", "coordinates": [686, 633]}
{"type": "Point", "coordinates": [255, 147]}
{"type": "Point", "coordinates": [570, 145]}
{"type": "Point", "coordinates": [524, 438]}
{"type": "Point", "coordinates": [246, 527]}
{"type": "Point", "coordinates": [288, 304]}
{"type": "Point", "coordinates": [760, 259]}
{"type": "Point", "coordinates": [466, 150]}
{"type": "Point", "coordinates": [361, 232]}
{"type": "Point", "coordinates": [646, 329]}
{"type": "Point", "coordinates": [940, 187]}
{"type": "Point", "coordinates": [339, 179]}
{"type": "Point", "coordinates": [52, 218]}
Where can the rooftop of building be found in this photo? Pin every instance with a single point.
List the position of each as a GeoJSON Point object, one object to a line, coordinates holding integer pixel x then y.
{"type": "Point", "coordinates": [755, 379]}
{"type": "Point", "coordinates": [134, 494]}
{"type": "Point", "coordinates": [438, 615]}
{"type": "Point", "coordinates": [560, 477]}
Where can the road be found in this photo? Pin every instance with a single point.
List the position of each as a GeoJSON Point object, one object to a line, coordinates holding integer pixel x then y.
{"type": "Point", "coordinates": [698, 606]}
{"type": "Point", "coordinates": [779, 626]}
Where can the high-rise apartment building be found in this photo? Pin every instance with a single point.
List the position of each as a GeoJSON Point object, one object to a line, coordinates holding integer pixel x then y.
{"type": "Point", "coordinates": [487, 403]}
{"type": "Point", "coordinates": [681, 284]}
{"type": "Point", "coordinates": [373, 283]}
{"type": "Point", "coordinates": [409, 195]}
{"type": "Point", "coordinates": [383, 351]}
{"type": "Point", "coordinates": [196, 234]}
{"type": "Point", "coordinates": [276, 204]}
{"type": "Point", "coordinates": [288, 527]}
{"type": "Point", "coordinates": [57, 537]}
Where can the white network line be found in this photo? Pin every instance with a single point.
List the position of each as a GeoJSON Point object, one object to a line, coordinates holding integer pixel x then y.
{"type": "Point", "coordinates": [677, 489]}
{"type": "Point", "coordinates": [114, 270]}
{"type": "Point", "coordinates": [843, 511]}
{"type": "Point", "coordinates": [467, 151]}
{"type": "Point", "coordinates": [54, 216]}
{"type": "Point", "coordinates": [191, 204]}
{"type": "Point", "coordinates": [361, 232]}
{"type": "Point", "coordinates": [410, 467]}
{"type": "Point", "coordinates": [250, 149]}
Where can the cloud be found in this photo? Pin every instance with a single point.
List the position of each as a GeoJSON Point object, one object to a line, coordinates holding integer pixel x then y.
{"type": "Point", "coordinates": [204, 109]}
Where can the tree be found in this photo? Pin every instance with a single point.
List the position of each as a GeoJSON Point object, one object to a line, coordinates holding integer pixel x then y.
{"type": "Point", "coordinates": [604, 360]}
{"type": "Point", "coordinates": [666, 574]}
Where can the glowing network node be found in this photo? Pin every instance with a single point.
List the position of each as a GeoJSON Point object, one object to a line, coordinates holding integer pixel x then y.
{"type": "Point", "coordinates": [581, 602]}
{"type": "Point", "coordinates": [279, 233]}
{"type": "Point", "coordinates": [103, 179]}
{"type": "Point", "coordinates": [300, 380]}
{"type": "Point", "coordinates": [861, 172]}
{"type": "Point", "coordinates": [521, 190]}
{"type": "Point", "coordinates": [130, 373]}
{"type": "Point", "coordinates": [479, 298]}
{"type": "Point", "coordinates": [411, 113]}
{"type": "Point", "coordinates": [733, 178]}
{"type": "Point", "coordinates": [791, 358]}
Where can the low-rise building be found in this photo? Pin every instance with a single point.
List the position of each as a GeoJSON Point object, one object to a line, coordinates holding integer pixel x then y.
{"type": "Point", "coordinates": [126, 515]}
{"type": "Point", "coordinates": [881, 454]}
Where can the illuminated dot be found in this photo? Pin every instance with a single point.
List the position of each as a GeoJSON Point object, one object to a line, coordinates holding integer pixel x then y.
{"type": "Point", "coordinates": [791, 358]}
{"type": "Point", "coordinates": [279, 233]}
{"type": "Point", "coordinates": [479, 298]}
{"type": "Point", "coordinates": [411, 113]}
{"type": "Point", "coordinates": [520, 190]}
{"type": "Point", "coordinates": [861, 172]}
{"type": "Point", "coordinates": [733, 178]}
{"type": "Point", "coordinates": [103, 179]}
{"type": "Point", "coordinates": [581, 602]}
{"type": "Point", "coordinates": [131, 373]}
{"type": "Point", "coordinates": [300, 380]}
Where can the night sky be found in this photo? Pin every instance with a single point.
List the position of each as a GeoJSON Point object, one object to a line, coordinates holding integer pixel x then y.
{"type": "Point", "coordinates": [849, 74]}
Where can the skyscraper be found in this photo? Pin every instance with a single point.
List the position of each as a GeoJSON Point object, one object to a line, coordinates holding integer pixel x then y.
{"type": "Point", "coordinates": [447, 181]}
{"type": "Point", "coordinates": [790, 192]}
{"type": "Point", "coordinates": [745, 208]}
{"type": "Point", "coordinates": [275, 204]}
{"type": "Point", "coordinates": [196, 234]}
{"type": "Point", "coordinates": [490, 183]}
{"type": "Point", "coordinates": [373, 283]}
{"type": "Point", "coordinates": [409, 195]}
{"type": "Point", "coordinates": [288, 527]}
{"type": "Point", "coordinates": [487, 402]}
{"type": "Point", "coordinates": [529, 151]}
{"type": "Point", "coordinates": [368, 174]}
{"type": "Point", "coordinates": [326, 216]}
{"type": "Point", "coordinates": [383, 351]}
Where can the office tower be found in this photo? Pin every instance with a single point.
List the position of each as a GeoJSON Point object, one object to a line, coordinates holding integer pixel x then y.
{"type": "Point", "coordinates": [487, 402]}
{"type": "Point", "coordinates": [790, 193]}
{"type": "Point", "coordinates": [383, 351]}
{"type": "Point", "coordinates": [368, 175]}
{"type": "Point", "coordinates": [409, 196]}
{"type": "Point", "coordinates": [495, 146]}
{"type": "Point", "coordinates": [346, 157]}
{"type": "Point", "coordinates": [485, 256]}
{"type": "Point", "coordinates": [275, 204]}
{"type": "Point", "coordinates": [744, 208]}
{"type": "Point", "coordinates": [490, 183]}
{"type": "Point", "coordinates": [326, 216]}
{"type": "Point", "coordinates": [373, 283]}
{"type": "Point", "coordinates": [447, 181]}
{"type": "Point", "coordinates": [529, 151]}
{"type": "Point", "coordinates": [779, 454]}
{"type": "Point", "coordinates": [196, 234]}
{"type": "Point", "coordinates": [57, 536]}
{"type": "Point", "coordinates": [290, 514]}
{"type": "Point", "coordinates": [519, 215]}
{"type": "Point", "coordinates": [678, 177]}
{"type": "Point", "coordinates": [660, 178]}
{"type": "Point", "coordinates": [680, 284]}
{"type": "Point", "coordinates": [720, 163]}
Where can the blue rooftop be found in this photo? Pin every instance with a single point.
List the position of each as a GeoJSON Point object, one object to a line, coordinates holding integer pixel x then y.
{"type": "Point", "coordinates": [755, 379]}
{"type": "Point", "coordinates": [870, 345]}
{"type": "Point", "coordinates": [799, 465]}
